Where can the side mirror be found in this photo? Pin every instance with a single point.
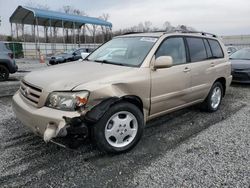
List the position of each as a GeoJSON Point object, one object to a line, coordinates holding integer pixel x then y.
{"type": "Point", "coordinates": [74, 54]}
{"type": "Point", "coordinates": [163, 62]}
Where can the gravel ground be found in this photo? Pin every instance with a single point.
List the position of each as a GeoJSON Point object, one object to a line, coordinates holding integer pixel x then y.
{"type": "Point", "coordinates": [187, 148]}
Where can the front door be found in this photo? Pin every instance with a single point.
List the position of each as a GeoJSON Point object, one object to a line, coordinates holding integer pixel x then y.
{"type": "Point", "coordinates": [170, 86]}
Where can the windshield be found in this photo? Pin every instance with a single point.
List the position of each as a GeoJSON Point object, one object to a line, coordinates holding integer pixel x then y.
{"type": "Point", "coordinates": [69, 51]}
{"type": "Point", "coordinates": [241, 54]}
{"type": "Point", "coordinates": [128, 51]}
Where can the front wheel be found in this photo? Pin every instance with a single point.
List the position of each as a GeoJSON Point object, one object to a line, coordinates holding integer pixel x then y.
{"type": "Point", "coordinates": [120, 128]}
{"type": "Point", "coordinates": [213, 100]}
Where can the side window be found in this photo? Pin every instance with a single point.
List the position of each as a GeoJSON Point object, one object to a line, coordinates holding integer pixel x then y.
{"type": "Point", "coordinates": [78, 52]}
{"type": "Point", "coordinates": [175, 48]}
{"type": "Point", "coordinates": [208, 49]}
{"type": "Point", "coordinates": [196, 49]}
{"type": "Point", "coordinates": [216, 48]}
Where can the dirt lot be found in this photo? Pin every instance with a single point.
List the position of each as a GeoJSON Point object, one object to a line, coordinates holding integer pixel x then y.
{"type": "Point", "coordinates": [187, 148]}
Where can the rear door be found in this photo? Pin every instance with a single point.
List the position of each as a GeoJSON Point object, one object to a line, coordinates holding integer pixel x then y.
{"type": "Point", "coordinates": [170, 86]}
{"type": "Point", "coordinates": [201, 65]}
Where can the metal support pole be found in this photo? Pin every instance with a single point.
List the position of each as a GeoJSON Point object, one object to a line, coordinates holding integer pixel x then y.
{"type": "Point", "coordinates": [16, 32]}
{"type": "Point", "coordinates": [79, 37]}
{"type": "Point", "coordinates": [12, 39]}
{"type": "Point", "coordinates": [63, 37]}
{"type": "Point", "coordinates": [50, 36]}
{"type": "Point", "coordinates": [74, 35]}
{"type": "Point", "coordinates": [84, 33]}
{"type": "Point", "coordinates": [34, 29]}
{"type": "Point", "coordinates": [45, 37]}
{"type": "Point", "coordinates": [24, 45]}
{"type": "Point", "coordinates": [11, 28]}
{"type": "Point", "coordinates": [54, 29]}
{"type": "Point", "coordinates": [38, 47]}
{"type": "Point", "coordinates": [94, 31]}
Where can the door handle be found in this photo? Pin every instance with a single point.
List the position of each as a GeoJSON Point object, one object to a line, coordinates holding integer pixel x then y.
{"type": "Point", "coordinates": [212, 64]}
{"type": "Point", "coordinates": [187, 69]}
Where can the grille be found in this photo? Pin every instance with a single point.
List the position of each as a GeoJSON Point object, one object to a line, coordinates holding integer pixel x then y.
{"type": "Point", "coordinates": [30, 92]}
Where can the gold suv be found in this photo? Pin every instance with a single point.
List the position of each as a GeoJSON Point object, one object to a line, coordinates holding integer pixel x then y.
{"type": "Point", "coordinates": [127, 81]}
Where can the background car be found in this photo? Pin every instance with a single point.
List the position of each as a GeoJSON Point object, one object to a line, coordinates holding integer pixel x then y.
{"type": "Point", "coordinates": [84, 54]}
{"type": "Point", "coordinates": [241, 65]}
{"type": "Point", "coordinates": [7, 63]}
{"type": "Point", "coordinates": [70, 55]}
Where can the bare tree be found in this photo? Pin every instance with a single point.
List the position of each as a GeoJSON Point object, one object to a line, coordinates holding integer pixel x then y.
{"type": "Point", "coordinates": [105, 17]}
{"type": "Point", "coordinates": [185, 28]}
{"type": "Point", "coordinates": [167, 26]}
{"type": "Point", "coordinates": [71, 10]}
{"type": "Point", "coordinates": [147, 26]}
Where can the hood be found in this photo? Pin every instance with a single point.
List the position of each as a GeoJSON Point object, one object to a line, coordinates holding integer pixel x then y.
{"type": "Point", "coordinates": [240, 64]}
{"type": "Point", "coordinates": [65, 77]}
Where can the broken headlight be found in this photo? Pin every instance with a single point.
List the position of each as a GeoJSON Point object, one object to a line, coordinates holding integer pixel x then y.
{"type": "Point", "coordinates": [67, 101]}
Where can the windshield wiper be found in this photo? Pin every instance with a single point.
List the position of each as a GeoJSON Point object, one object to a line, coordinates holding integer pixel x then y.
{"type": "Point", "coordinates": [109, 62]}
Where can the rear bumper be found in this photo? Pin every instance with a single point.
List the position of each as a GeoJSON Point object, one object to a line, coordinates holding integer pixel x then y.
{"type": "Point", "coordinates": [39, 119]}
{"type": "Point", "coordinates": [13, 67]}
{"type": "Point", "coordinates": [241, 76]}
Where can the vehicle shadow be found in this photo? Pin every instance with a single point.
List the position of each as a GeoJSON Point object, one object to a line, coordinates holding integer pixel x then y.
{"type": "Point", "coordinates": [12, 79]}
{"type": "Point", "coordinates": [240, 85]}
{"type": "Point", "coordinates": [160, 136]}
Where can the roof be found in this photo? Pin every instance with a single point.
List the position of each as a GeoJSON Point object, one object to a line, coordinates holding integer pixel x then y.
{"type": "Point", "coordinates": [28, 15]}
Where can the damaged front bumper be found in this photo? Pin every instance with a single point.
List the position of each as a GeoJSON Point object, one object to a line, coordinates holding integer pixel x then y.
{"type": "Point", "coordinates": [47, 122]}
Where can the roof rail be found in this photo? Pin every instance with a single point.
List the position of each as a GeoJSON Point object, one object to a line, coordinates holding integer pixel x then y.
{"type": "Point", "coordinates": [198, 32]}
{"type": "Point", "coordinates": [132, 32]}
{"type": "Point", "coordinates": [174, 30]}
{"type": "Point", "coordinates": [137, 32]}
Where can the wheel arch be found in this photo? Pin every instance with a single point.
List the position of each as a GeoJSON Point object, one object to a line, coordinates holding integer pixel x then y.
{"type": "Point", "coordinates": [99, 110]}
{"type": "Point", "coordinates": [222, 80]}
{"type": "Point", "coordinates": [5, 65]}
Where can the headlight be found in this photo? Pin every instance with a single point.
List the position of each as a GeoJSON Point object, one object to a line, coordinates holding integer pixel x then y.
{"type": "Point", "coordinates": [68, 101]}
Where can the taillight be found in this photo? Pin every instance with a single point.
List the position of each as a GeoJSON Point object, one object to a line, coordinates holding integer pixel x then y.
{"type": "Point", "coordinates": [10, 55]}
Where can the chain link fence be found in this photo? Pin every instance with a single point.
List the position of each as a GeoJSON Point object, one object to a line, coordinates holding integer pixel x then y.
{"type": "Point", "coordinates": [33, 50]}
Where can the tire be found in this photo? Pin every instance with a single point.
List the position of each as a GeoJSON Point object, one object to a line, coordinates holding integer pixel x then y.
{"type": "Point", "coordinates": [212, 102]}
{"type": "Point", "coordinates": [4, 73]}
{"type": "Point", "coordinates": [123, 135]}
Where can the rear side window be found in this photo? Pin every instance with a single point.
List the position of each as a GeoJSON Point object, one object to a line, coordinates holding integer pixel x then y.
{"type": "Point", "coordinates": [196, 49]}
{"type": "Point", "coordinates": [209, 52]}
{"type": "Point", "coordinates": [216, 49]}
{"type": "Point", "coordinates": [175, 48]}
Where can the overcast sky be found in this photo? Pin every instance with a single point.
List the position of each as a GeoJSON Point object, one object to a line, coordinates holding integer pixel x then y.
{"type": "Point", "coordinates": [223, 17]}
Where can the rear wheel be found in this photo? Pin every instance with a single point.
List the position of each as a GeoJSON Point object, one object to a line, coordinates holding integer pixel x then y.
{"type": "Point", "coordinates": [4, 73]}
{"type": "Point", "coordinates": [120, 129]}
{"type": "Point", "coordinates": [213, 100]}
